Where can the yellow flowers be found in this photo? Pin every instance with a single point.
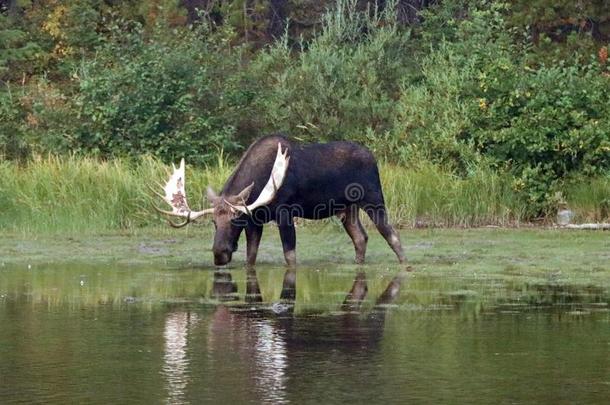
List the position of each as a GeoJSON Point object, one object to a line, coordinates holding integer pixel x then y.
{"type": "Point", "coordinates": [483, 103]}
{"type": "Point", "coordinates": [54, 25]}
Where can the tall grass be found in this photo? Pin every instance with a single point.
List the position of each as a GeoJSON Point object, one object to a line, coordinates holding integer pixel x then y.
{"type": "Point", "coordinates": [430, 196]}
{"type": "Point", "coordinates": [77, 194]}
{"type": "Point", "coordinates": [589, 199]}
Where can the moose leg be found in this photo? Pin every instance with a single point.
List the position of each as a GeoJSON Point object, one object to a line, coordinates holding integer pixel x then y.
{"type": "Point", "coordinates": [288, 236]}
{"type": "Point", "coordinates": [355, 230]}
{"type": "Point", "coordinates": [289, 239]}
{"type": "Point", "coordinates": [357, 294]}
{"type": "Point", "coordinates": [380, 218]}
{"type": "Point", "coordinates": [253, 239]}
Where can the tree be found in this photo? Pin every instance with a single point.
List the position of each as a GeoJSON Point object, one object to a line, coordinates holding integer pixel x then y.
{"type": "Point", "coordinates": [17, 51]}
{"type": "Point", "coordinates": [276, 13]}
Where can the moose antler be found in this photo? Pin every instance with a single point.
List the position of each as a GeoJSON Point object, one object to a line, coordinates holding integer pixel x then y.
{"type": "Point", "coordinates": [175, 196]}
{"type": "Point", "coordinates": [278, 173]}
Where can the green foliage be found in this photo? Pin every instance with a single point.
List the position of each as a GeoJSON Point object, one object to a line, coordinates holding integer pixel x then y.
{"type": "Point", "coordinates": [564, 28]}
{"type": "Point", "coordinates": [159, 94]}
{"type": "Point", "coordinates": [344, 82]}
{"type": "Point", "coordinates": [429, 195]}
{"type": "Point", "coordinates": [589, 198]}
{"type": "Point", "coordinates": [511, 89]}
{"type": "Point", "coordinates": [75, 194]}
{"type": "Point", "coordinates": [13, 144]}
{"type": "Point", "coordinates": [73, 24]}
{"type": "Point", "coordinates": [17, 51]}
{"type": "Point", "coordinates": [548, 126]}
{"type": "Point", "coordinates": [481, 103]}
{"type": "Point", "coordinates": [434, 111]}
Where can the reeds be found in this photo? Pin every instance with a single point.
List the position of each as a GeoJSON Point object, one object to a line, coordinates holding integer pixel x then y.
{"type": "Point", "coordinates": [75, 194]}
{"type": "Point", "coordinates": [79, 194]}
{"type": "Point", "coordinates": [430, 196]}
{"type": "Point", "coordinates": [589, 199]}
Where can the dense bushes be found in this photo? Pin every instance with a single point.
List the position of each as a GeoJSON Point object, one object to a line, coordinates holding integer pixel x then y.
{"type": "Point", "coordinates": [550, 125]}
{"type": "Point", "coordinates": [467, 90]}
{"type": "Point", "coordinates": [481, 101]}
{"type": "Point", "coordinates": [141, 93]}
{"type": "Point", "coordinates": [342, 84]}
{"type": "Point", "coordinates": [162, 96]}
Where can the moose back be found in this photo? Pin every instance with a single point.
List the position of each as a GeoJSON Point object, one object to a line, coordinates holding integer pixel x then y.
{"type": "Point", "coordinates": [277, 180]}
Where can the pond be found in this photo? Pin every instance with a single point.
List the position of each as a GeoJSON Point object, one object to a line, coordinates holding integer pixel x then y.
{"type": "Point", "coordinates": [157, 333]}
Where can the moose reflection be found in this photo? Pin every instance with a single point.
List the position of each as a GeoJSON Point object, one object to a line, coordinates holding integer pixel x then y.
{"type": "Point", "coordinates": [266, 338]}
{"type": "Point", "coordinates": [225, 289]}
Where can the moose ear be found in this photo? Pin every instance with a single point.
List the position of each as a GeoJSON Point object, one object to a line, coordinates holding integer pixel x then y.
{"type": "Point", "coordinates": [245, 193]}
{"type": "Point", "coordinates": [211, 195]}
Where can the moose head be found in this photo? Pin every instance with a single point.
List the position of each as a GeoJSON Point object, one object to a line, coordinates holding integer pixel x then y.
{"type": "Point", "coordinates": [226, 210]}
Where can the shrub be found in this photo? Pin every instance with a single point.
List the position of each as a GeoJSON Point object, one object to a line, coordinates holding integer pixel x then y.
{"type": "Point", "coordinates": [14, 142]}
{"type": "Point", "coordinates": [480, 102]}
{"type": "Point", "coordinates": [549, 126]}
{"type": "Point", "coordinates": [342, 84]}
{"type": "Point", "coordinates": [160, 95]}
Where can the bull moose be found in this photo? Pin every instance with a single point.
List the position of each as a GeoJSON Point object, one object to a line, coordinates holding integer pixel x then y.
{"type": "Point", "coordinates": [277, 180]}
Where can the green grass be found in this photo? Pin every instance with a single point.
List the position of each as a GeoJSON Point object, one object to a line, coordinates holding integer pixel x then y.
{"type": "Point", "coordinates": [498, 265]}
{"type": "Point", "coordinates": [430, 196]}
{"type": "Point", "coordinates": [590, 200]}
{"type": "Point", "coordinates": [74, 195]}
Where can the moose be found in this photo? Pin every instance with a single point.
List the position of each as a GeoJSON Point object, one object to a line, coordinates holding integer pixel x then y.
{"type": "Point", "coordinates": [277, 180]}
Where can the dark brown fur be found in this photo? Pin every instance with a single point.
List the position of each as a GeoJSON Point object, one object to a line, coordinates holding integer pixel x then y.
{"type": "Point", "coordinates": [336, 178]}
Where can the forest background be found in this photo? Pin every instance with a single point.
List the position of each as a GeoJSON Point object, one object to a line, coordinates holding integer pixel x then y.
{"type": "Point", "coordinates": [480, 112]}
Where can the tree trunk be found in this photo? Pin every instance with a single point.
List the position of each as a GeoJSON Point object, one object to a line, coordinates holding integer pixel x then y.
{"type": "Point", "coordinates": [10, 7]}
{"type": "Point", "coordinates": [407, 11]}
{"type": "Point", "coordinates": [276, 18]}
{"type": "Point", "coordinates": [207, 6]}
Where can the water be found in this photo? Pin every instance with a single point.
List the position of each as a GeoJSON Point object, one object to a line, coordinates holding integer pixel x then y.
{"type": "Point", "coordinates": [104, 334]}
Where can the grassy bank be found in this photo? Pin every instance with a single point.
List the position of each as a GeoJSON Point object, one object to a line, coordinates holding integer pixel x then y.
{"type": "Point", "coordinates": [535, 256]}
{"type": "Point", "coordinates": [64, 195]}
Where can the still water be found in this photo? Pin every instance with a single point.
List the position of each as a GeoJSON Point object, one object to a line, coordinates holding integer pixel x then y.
{"type": "Point", "coordinates": [104, 334]}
